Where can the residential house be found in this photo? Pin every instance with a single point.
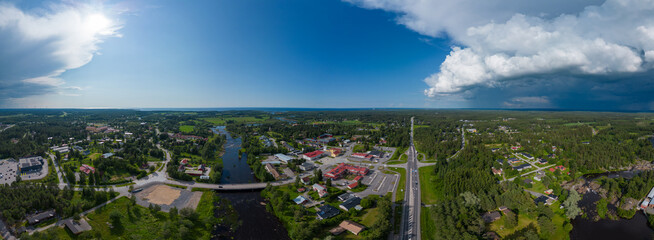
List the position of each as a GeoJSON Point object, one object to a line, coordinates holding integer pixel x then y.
{"type": "Point", "coordinates": [344, 196]}
{"type": "Point", "coordinates": [513, 160]}
{"type": "Point", "coordinates": [527, 156]}
{"type": "Point", "coordinates": [269, 167]}
{"type": "Point", "coordinates": [86, 169]}
{"type": "Point", "coordinates": [491, 216]}
{"type": "Point", "coordinates": [300, 200]}
{"type": "Point", "coordinates": [522, 167]}
{"type": "Point", "coordinates": [351, 226]}
{"type": "Point", "coordinates": [327, 211]}
{"type": "Point", "coordinates": [322, 190]}
{"type": "Point", "coordinates": [497, 171]}
{"type": "Point", "coordinates": [305, 180]}
{"type": "Point", "coordinates": [77, 226]}
{"type": "Point", "coordinates": [350, 203]}
{"type": "Point", "coordinates": [40, 217]}
{"type": "Point", "coordinates": [107, 155]}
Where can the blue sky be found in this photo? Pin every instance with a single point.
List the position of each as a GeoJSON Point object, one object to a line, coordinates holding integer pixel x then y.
{"type": "Point", "coordinates": [338, 54]}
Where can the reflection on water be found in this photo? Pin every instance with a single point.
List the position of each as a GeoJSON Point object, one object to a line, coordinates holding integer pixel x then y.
{"type": "Point", "coordinates": [634, 228]}
{"type": "Point", "coordinates": [257, 223]}
{"type": "Point", "coordinates": [235, 169]}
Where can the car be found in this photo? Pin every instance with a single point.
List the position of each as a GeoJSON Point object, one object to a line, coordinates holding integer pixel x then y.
{"type": "Point", "coordinates": [137, 190]}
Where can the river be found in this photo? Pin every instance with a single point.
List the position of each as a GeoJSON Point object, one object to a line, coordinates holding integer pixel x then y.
{"type": "Point", "coordinates": [235, 169]}
{"type": "Point", "coordinates": [587, 229]}
{"type": "Point", "coordinates": [257, 223]}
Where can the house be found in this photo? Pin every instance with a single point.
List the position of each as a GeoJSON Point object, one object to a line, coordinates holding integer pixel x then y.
{"type": "Point", "coordinates": [77, 227]}
{"type": "Point", "coordinates": [527, 181]}
{"type": "Point", "coordinates": [306, 166]}
{"type": "Point", "coordinates": [471, 130]}
{"type": "Point", "coordinates": [327, 211]}
{"type": "Point", "coordinates": [491, 216]}
{"type": "Point", "coordinates": [299, 200]}
{"type": "Point", "coordinates": [513, 160]}
{"type": "Point", "coordinates": [30, 164]}
{"type": "Point", "coordinates": [539, 176]}
{"type": "Point", "coordinates": [548, 191]}
{"type": "Point", "coordinates": [494, 149]}
{"type": "Point", "coordinates": [351, 226]}
{"type": "Point", "coordinates": [337, 230]}
{"type": "Point", "coordinates": [560, 167]}
{"type": "Point", "coordinates": [311, 156]}
{"type": "Point", "coordinates": [353, 185]}
{"type": "Point", "coordinates": [335, 152]}
{"type": "Point", "coordinates": [522, 167]}
{"type": "Point", "coordinates": [184, 161]}
{"type": "Point", "coordinates": [86, 169]}
{"type": "Point", "coordinates": [497, 171]}
{"type": "Point", "coordinates": [193, 172]}
{"type": "Point", "coordinates": [361, 155]}
{"type": "Point", "coordinates": [107, 155]}
{"type": "Point", "coordinates": [269, 167]}
{"type": "Point", "coordinates": [500, 161]}
{"type": "Point", "coordinates": [344, 196]}
{"type": "Point", "coordinates": [376, 153]}
{"type": "Point", "coordinates": [350, 203]}
{"type": "Point", "coordinates": [322, 190]}
{"type": "Point", "coordinates": [551, 155]}
{"type": "Point", "coordinates": [505, 210]}
{"type": "Point", "coordinates": [542, 161]}
{"type": "Point", "coordinates": [305, 180]}
{"type": "Point", "coordinates": [342, 169]}
{"type": "Point", "coordinates": [301, 189]}
{"type": "Point", "coordinates": [527, 156]}
{"type": "Point", "coordinates": [357, 178]}
{"type": "Point", "coordinates": [516, 147]}
{"type": "Point", "coordinates": [40, 217]}
{"type": "Point", "coordinates": [544, 199]}
{"type": "Point", "coordinates": [283, 158]}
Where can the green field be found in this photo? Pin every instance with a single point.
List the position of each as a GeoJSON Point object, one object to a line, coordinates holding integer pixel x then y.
{"type": "Point", "coordinates": [429, 193]}
{"type": "Point", "coordinates": [140, 222]}
{"type": "Point", "coordinates": [186, 128]}
{"type": "Point", "coordinates": [427, 225]}
{"type": "Point", "coordinates": [399, 192]}
{"type": "Point", "coordinates": [224, 120]}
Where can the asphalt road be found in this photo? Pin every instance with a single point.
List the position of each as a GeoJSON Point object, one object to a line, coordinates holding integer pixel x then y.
{"type": "Point", "coordinates": [410, 228]}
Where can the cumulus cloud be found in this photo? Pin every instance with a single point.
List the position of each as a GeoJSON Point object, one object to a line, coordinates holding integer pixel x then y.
{"type": "Point", "coordinates": [499, 41]}
{"type": "Point", "coordinates": [36, 47]}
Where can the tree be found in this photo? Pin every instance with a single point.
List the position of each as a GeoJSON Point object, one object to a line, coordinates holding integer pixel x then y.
{"type": "Point", "coordinates": [510, 220]}
{"type": "Point", "coordinates": [328, 182]}
{"type": "Point", "coordinates": [115, 218]}
{"type": "Point", "coordinates": [602, 207]}
{"type": "Point", "coordinates": [173, 213]}
{"type": "Point", "coordinates": [470, 199]}
{"type": "Point", "coordinates": [546, 226]}
{"type": "Point", "coordinates": [572, 210]}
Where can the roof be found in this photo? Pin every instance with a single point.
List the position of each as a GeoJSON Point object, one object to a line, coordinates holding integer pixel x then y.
{"type": "Point", "coordinates": [76, 227]}
{"type": "Point", "coordinates": [350, 203]}
{"type": "Point", "coordinates": [313, 154]}
{"type": "Point", "coordinates": [87, 169]}
{"type": "Point", "coordinates": [36, 218]}
{"type": "Point", "coordinates": [318, 187]}
{"type": "Point", "coordinates": [344, 196]}
{"type": "Point", "coordinates": [299, 199]}
{"type": "Point", "coordinates": [283, 157]}
{"type": "Point", "coordinates": [106, 155]}
{"type": "Point", "coordinates": [28, 162]}
{"type": "Point", "coordinates": [327, 211]}
{"type": "Point", "coordinates": [376, 153]}
{"type": "Point", "coordinates": [351, 226]}
{"type": "Point", "coordinates": [491, 216]}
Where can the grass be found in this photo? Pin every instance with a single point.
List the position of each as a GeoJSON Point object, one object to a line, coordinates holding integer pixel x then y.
{"type": "Point", "coordinates": [186, 128]}
{"type": "Point", "coordinates": [95, 156]}
{"type": "Point", "coordinates": [369, 217]}
{"type": "Point", "coordinates": [125, 184]}
{"type": "Point", "coordinates": [427, 225]}
{"type": "Point", "coordinates": [399, 192]}
{"type": "Point", "coordinates": [197, 189]}
{"type": "Point", "coordinates": [429, 193]}
{"type": "Point", "coordinates": [176, 186]}
{"type": "Point", "coordinates": [404, 157]}
{"type": "Point", "coordinates": [523, 221]}
{"type": "Point", "coordinates": [205, 206]}
{"type": "Point", "coordinates": [397, 153]}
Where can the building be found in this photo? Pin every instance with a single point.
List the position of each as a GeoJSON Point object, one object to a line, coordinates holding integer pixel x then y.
{"type": "Point", "coordinates": [350, 203]}
{"type": "Point", "coordinates": [343, 197]}
{"type": "Point", "coordinates": [522, 167]}
{"type": "Point", "coordinates": [306, 166]}
{"type": "Point", "coordinates": [86, 169]}
{"type": "Point", "coordinates": [40, 217]}
{"type": "Point", "coordinates": [539, 176]}
{"type": "Point", "coordinates": [343, 169]}
{"type": "Point", "coordinates": [490, 217]}
{"type": "Point", "coordinates": [544, 199]}
{"type": "Point", "coordinates": [516, 147]}
{"type": "Point", "coordinates": [184, 161]}
{"type": "Point", "coordinates": [77, 227]}
{"type": "Point", "coordinates": [283, 158]}
{"type": "Point", "coordinates": [505, 210]}
{"type": "Point", "coordinates": [273, 162]}
{"type": "Point", "coordinates": [30, 164]}
{"type": "Point", "coordinates": [193, 172]}
{"type": "Point", "coordinates": [299, 200]}
{"type": "Point", "coordinates": [306, 180]}
{"type": "Point", "coordinates": [494, 149]}
{"type": "Point", "coordinates": [62, 149]}
{"type": "Point", "coordinates": [322, 190]}
{"type": "Point", "coordinates": [327, 211]}
{"type": "Point", "coordinates": [542, 161]}
{"type": "Point", "coordinates": [312, 156]}
{"type": "Point", "coordinates": [376, 153]}
{"type": "Point", "coordinates": [353, 185]}
{"type": "Point", "coordinates": [497, 171]}
{"type": "Point", "coordinates": [514, 160]}
{"type": "Point", "coordinates": [527, 156]}
{"type": "Point", "coordinates": [272, 171]}
{"type": "Point", "coordinates": [361, 155]}
{"type": "Point", "coordinates": [351, 226]}
{"type": "Point", "coordinates": [107, 155]}
{"type": "Point", "coordinates": [335, 152]}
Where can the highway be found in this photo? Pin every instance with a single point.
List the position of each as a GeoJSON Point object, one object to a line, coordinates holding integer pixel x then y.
{"type": "Point", "coordinates": [410, 227]}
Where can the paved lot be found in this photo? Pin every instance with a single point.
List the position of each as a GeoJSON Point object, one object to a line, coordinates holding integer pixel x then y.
{"type": "Point", "coordinates": [8, 170]}
{"type": "Point", "coordinates": [36, 175]}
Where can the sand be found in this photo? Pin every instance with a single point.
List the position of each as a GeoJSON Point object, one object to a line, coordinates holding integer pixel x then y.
{"type": "Point", "coordinates": [162, 194]}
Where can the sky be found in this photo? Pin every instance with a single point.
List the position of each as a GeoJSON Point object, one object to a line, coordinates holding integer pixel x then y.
{"type": "Point", "coordinates": [559, 54]}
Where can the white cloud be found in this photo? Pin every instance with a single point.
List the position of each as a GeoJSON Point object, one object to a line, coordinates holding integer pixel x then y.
{"type": "Point", "coordinates": [502, 40]}
{"type": "Point", "coordinates": [36, 47]}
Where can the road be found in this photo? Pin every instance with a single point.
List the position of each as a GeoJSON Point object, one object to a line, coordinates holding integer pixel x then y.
{"type": "Point", "coordinates": [410, 228]}
{"type": "Point", "coordinates": [463, 143]}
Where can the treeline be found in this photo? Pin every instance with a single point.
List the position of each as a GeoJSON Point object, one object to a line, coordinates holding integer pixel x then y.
{"type": "Point", "coordinates": [20, 199]}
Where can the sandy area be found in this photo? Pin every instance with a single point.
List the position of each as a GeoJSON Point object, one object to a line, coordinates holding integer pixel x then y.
{"type": "Point", "coordinates": [162, 194]}
{"type": "Point", "coordinates": [194, 200]}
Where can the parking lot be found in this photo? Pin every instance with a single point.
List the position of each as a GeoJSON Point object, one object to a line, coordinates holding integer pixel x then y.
{"type": "Point", "coordinates": [8, 170]}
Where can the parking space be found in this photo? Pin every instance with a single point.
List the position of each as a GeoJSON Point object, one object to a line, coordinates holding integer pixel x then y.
{"type": "Point", "coordinates": [8, 171]}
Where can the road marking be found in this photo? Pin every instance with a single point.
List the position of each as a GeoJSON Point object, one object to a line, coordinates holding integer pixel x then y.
{"type": "Point", "coordinates": [382, 183]}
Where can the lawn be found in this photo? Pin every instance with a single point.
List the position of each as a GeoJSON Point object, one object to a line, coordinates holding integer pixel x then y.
{"type": "Point", "coordinates": [429, 193]}
{"type": "Point", "coordinates": [140, 224]}
{"type": "Point", "coordinates": [186, 128]}
{"type": "Point", "coordinates": [369, 217]}
{"type": "Point", "coordinates": [427, 225]}
{"type": "Point", "coordinates": [523, 221]}
{"type": "Point", "coordinates": [399, 192]}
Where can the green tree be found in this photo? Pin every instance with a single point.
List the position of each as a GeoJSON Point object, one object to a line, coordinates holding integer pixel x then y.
{"type": "Point", "coordinates": [572, 210]}
{"type": "Point", "coordinates": [510, 220]}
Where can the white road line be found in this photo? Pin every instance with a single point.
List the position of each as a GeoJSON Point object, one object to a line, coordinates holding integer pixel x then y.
{"type": "Point", "coordinates": [382, 183]}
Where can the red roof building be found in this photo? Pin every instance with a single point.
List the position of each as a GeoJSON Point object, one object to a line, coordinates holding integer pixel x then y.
{"type": "Point", "coordinates": [86, 169]}
{"type": "Point", "coordinates": [353, 185]}
{"type": "Point", "coordinates": [184, 161]}
{"type": "Point", "coordinates": [356, 179]}
{"type": "Point", "coordinates": [313, 155]}
{"type": "Point", "coordinates": [343, 169]}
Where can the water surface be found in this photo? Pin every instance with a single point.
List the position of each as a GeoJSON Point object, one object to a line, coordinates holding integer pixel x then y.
{"type": "Point", "coordinates": [235, 169]}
